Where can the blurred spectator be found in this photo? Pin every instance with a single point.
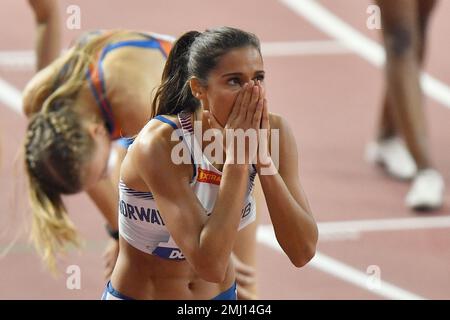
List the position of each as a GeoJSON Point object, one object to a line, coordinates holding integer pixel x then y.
{"type": "Point", "coordinates": [401, 146]}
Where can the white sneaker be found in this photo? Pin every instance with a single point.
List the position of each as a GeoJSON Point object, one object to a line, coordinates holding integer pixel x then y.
{"type": "Point", "coordinates": [393, 155]}
{"type": "Point", "coordinates": [427, 191]}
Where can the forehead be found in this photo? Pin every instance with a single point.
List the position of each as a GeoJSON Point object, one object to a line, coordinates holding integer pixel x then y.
{"type": "Point", "coordinates": [244, 60]}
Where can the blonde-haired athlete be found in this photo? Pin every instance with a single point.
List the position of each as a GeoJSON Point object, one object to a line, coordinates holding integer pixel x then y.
{"type": "Point", "coordinates": [98, 91]}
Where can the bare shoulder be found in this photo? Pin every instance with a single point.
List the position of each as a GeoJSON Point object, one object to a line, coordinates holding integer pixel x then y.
{"type": "Point", "coordinates": [278, 122]}
{"type": "Point", "coordinates": [131, 77]}
{"type": "Point", "coordinates": [151, 152]}
{"type": "Point", "coordinates": [130, 62]}
{"type": "Point", "coordinates": [155, 140]}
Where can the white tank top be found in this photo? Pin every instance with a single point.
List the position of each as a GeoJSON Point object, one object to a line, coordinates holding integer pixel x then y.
{"type": "Point", "coordinates": [140, 222]}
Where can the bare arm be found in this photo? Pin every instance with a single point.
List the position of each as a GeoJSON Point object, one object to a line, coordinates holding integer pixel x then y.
{"type": "Point", "coordinates": [105, 193]}
{"type": "Point", "coordinates": [294, 225]}
{"type": "Point", "coordinates": [105, 196]}
{"type": "Point", "coordinates": [48, 43]}
{"type": "Point", "coordinates": [205, 242]}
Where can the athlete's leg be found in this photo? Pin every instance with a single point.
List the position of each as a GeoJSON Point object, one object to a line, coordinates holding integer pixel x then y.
{"type": "Point", "coordinates": [387, 124]}
{"type": "Point", "coordinates": [403, 44]}
{"type": "Point", "coordinates": [404, 95]}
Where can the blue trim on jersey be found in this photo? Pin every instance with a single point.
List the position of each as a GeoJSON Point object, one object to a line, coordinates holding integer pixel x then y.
{"type": "Point", "coordinates": [165, 120]}
{"type": "Point", "coordinates": [148, 43]}
{"type": "Point", "coordinates": [135, 193]}
{"type": "Point", "coordinates": [175, 127]}
{"type": "Point", "coordinates": [102, 83]}
{"type": "Point", "coordinates": [109, 289]}
{"type": "Point", "coordinates": [97, 99]}
{"type": "Point", "coordinates": [169, 253]}
{"type": "Point", "coordinates": [125, 142]}
{"type": "Point", "coordinates": [229, 294]}
{"type": "Point", "coordinates": [152, 37]}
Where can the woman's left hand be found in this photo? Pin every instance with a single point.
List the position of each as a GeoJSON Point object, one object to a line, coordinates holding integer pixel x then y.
{"type": "Point", "coordinates": [264, 159]}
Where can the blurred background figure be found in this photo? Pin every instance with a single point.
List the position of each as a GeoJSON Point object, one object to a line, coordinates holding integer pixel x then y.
{"type": "Point", "coordinates": [401, 146]}
{"type": "Point", "coordinates": [48, 39]}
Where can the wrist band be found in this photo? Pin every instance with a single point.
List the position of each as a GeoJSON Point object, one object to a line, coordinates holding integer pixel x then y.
{"type": "Point", "coordinates": [112, 233]}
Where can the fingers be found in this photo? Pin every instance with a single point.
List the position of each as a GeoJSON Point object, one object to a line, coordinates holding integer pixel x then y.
{"type": "Point", "coordinates": [256, 91]}
{"type": "Point", "coordinates": [265, 116]}
{"type": "Point", "coordinates": [264, 138]}
{"type": "Point", "coordinates": [257, 116]}
{"type": "Point", "coordinates": [237, 105]}
{"type": "Point", "coordinates": [246, 100]}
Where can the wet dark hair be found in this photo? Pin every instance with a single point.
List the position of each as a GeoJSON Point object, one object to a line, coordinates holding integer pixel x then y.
{"type": "Point", "coordinates": [195, 54]}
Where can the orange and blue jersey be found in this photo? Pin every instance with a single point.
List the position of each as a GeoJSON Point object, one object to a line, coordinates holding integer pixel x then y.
{"type": "Point", "coordinates": [95, 77]}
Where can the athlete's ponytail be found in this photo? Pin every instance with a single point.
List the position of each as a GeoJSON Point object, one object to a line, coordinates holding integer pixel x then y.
{"type": "Point", "coordinates": [56, 148]}
{"type": "Point", "coordinates": [195, 54]}
{"type": "Point", "coordinates": [174, 94]}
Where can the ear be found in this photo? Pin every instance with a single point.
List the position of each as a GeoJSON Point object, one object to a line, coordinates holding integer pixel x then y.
{"type": "Point", "coordinates": [197, 89]}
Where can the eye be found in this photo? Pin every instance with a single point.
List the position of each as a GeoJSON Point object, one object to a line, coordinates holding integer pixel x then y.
{"type": "Point", "coordinates": [260, 77]}
{"type": "Point", "coordinates": [234, 81]}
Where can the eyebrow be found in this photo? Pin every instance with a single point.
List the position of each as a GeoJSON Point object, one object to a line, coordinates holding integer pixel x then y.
{"type": "Point", "coordinates": [240, 73]}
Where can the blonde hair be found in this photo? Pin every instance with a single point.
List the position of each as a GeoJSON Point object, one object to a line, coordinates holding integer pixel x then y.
{"type": "Point", "coordinates": [56, 147]}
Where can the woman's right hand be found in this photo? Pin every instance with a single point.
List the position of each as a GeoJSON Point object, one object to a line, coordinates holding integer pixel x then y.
{"type": "Point", "coordinates": [245, 115]}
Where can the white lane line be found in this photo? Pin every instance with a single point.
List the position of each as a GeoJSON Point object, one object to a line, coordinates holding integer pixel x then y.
{"type": "Point", "coordinates": [342, 271]}
{"type": "Point", "coordinates": [24, 60]}
{"type": "Point", "coordinates": [18, 60]}
{"type": "Point", "coordinates": [366, 48]}
{"type": "Point", "coordinates": [295, 48]}
{"type": "Point", "coordinates": [350, 230]}
{"type": "Point", "coordinates": [10, 96]}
